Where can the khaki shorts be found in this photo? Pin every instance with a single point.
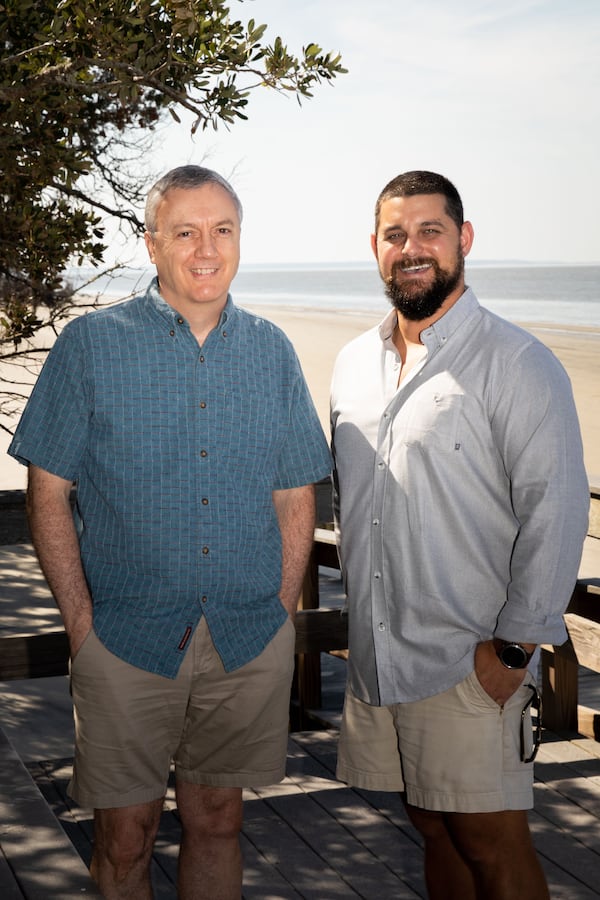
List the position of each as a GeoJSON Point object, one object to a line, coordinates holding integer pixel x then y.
{"type": "Point", "coordinates": [221, 729]}
{"type": "Point", "coordinates": [455, 752]}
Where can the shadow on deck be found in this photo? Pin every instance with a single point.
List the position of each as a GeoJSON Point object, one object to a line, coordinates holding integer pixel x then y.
{"type": "Point", "coordinates": [312, 837]}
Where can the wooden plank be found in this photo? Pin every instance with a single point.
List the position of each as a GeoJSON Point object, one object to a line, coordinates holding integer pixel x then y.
{"type": "Point", "coordinates": [321, 630]}
{"type": "Point", "coordinates": [34, 655]}
{"type": "Point", "coordinates": [45, 863]}
{"type": "Point", "coordinates": [9, 888]}
{"type": "Point", "coordinates": [312, 837]}
{"type": "Point", "coordinates": [46, 655]}
{"type": "Point", "coordinates": [559, 688]}
{"type": "Point", "coordinates": [314, 635]}
{"type": "Point", "coordinates": [588, 722]}
{"type": "Point", "coordinates": [326, 548]}
{"type": "Point", "coordinates": [261, 879]}
{"type": "Point", "coordinates": [585, 639]}
{"type": "Point", "coordinates": [354, 862]}
{"type": "Point", "coordinates": [594, 525]}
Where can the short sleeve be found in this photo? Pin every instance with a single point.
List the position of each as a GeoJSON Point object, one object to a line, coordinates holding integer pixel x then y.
{"type": "Point", "coordinates": [53, 429]}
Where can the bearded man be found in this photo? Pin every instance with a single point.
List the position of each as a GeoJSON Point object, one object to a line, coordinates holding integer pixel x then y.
{"type": "Point", "coordinates": [462, 502]}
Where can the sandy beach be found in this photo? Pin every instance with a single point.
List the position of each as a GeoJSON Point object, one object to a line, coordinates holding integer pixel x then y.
{"type": "Point", "coordinates": [318, 335]}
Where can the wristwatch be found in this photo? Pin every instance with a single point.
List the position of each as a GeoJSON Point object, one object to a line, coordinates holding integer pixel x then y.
{"type": "Point", "coordinates": [511, 654]}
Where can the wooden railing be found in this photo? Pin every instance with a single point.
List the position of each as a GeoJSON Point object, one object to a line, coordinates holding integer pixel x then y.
{"type": "Point", "coordinates": [560, 665]}
{"type": "Point", "coordinates": [326, 630]}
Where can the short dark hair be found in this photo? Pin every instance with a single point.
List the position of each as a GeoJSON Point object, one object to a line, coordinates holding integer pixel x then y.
{"type": "Point", "coordinates": [187, 178]}
{"type": "Point", "coordinates": [420, 182]}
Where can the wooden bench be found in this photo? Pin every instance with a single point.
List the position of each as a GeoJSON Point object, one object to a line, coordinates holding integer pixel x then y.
{"type": "Point", "coordinates": [560, 665]}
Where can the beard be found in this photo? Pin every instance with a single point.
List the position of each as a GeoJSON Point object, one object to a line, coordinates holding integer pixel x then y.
{"type": "Point", "coordinates": [417, 301]}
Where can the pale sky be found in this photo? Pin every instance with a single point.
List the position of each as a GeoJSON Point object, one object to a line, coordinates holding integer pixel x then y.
{"type": "Point", "coordinates": [502, 98]}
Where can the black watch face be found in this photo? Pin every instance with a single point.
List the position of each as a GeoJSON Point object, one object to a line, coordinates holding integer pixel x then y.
{"type": "Point", "coordinates": [514, 656]}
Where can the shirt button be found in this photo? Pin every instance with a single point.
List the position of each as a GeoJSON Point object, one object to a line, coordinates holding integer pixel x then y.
{"type": "Point", "coordinates": [203, 405]}
{"type": "Point", "coordinates": [375, 521]}
{"type": "Point", "coordinates": [205, 501]}
{"type": "Point", "coordinates": [180, 321]}
{"type": "Point", "coordinates": [224, 334]}
{"type": "Point", "coordinates": [205, 551]}
{"type": "Point", "coordinates": [203, 454]}
{"type": "Point", "coordinates": [204, 599]}
{"type": "Point", "coordinates": [377, 575]}
{"type": "Point", "coordinates": [380, 465]}
{"type": "Point", "coordinates": [201, 359]}
{"type": "Point", "coordinates": [381, 626]}
{"type": "Point", "coordinates": [172, 332]}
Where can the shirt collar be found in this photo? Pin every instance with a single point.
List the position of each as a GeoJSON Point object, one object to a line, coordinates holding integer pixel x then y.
{"type": "Point", "coordinates": [441, 331]}
{"type": "Point", "coordinates": [387, 328]}
{"type": "Point", "coordinates": [157, 302]}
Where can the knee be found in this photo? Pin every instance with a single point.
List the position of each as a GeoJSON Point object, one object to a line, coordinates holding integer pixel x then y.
{"type": "Point", "coordinates": [123, 847]}
{"type": "Point", "coordinates": [216, 815]}
{"type": "Point", "coordinates": [491, 839]}
{"type": "Point", "coordinates": [430, 824]}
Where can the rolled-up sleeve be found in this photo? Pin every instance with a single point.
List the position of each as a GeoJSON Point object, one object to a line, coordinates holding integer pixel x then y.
{"type": "Point", "coordinates": [537, 429]}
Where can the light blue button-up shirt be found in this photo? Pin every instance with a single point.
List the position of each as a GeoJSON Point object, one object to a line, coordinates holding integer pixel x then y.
{"type": "Point", "coordinates": [176, 451]}
{"type": "Point", "coordinates": [463, 499]}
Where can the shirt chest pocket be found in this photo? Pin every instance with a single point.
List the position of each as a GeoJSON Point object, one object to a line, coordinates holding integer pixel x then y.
{"type": "Point", "coordinates": [256, 419]}
{"type": "Point", "coordinates": [431, 418]}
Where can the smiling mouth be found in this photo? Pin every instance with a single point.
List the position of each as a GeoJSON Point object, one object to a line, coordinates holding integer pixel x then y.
{"type": "Point", "coordinates": [203, 272]}
{"type": "Point", "coordinates": [415, 268]}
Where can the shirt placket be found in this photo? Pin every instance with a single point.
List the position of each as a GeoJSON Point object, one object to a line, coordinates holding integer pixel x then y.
{"type": "Point", "coordinates": [380, 617]}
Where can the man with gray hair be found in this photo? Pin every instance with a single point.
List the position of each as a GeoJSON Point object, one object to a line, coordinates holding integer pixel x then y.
{"type": "Point", "coordinates": [188, 429]}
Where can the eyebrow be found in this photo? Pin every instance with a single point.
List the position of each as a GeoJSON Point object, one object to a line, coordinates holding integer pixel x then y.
{"type": "Point", "coordinates": [425, 224]}
{"type": "Point", "coordinates": [195, 225]}
{"type": "Point", "coordinates": [433, 222]}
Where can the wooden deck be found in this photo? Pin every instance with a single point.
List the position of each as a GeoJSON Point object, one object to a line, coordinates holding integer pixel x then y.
{"type": "Point", "coordinates": [312, 837]}
{"type": "Point", "coordinates": [309, 837]}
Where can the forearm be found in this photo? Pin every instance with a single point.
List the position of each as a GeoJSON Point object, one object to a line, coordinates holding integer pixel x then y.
{"type": "Point", "coordinates": [57, 546]}
{"type": "Point", "coordinates": [296, 514]}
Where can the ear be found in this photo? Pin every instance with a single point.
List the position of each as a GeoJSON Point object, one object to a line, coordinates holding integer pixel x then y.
{"type": "Point", "coordinates": [374, 246]}
{"type": "Point", "coordinates": [149, 241]}
{"type": "Point", "coordinates": [466, 238]}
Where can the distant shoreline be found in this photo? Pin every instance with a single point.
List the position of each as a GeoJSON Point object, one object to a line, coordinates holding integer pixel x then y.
{"type": "Point", "coordinates": [267, 310]}
{"type": "Point", "coordinates": [319, 333]}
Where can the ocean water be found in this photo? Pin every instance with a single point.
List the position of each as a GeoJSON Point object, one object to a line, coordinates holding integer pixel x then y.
{"type": "Point", "coordinates": [525, 292]}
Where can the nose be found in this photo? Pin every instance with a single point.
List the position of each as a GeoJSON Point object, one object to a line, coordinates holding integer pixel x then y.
{"type": "Point", "coordinates": [205, 245]}
{"type": "Point", "coordinates": [412, 246]}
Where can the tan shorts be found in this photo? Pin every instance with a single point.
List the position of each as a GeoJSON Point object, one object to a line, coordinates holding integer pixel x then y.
{"type": "Point", "coordinates": [455, 752]}
{"type": "Point", "coordinates": [221, 729]}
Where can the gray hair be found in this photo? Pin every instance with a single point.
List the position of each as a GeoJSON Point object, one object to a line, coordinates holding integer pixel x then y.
{"type": "Point", "coordinates": [186, 178]}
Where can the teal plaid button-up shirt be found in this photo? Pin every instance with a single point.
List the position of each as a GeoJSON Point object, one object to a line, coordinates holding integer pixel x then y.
{"type": "Point", "coordinates": [176, 450]}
